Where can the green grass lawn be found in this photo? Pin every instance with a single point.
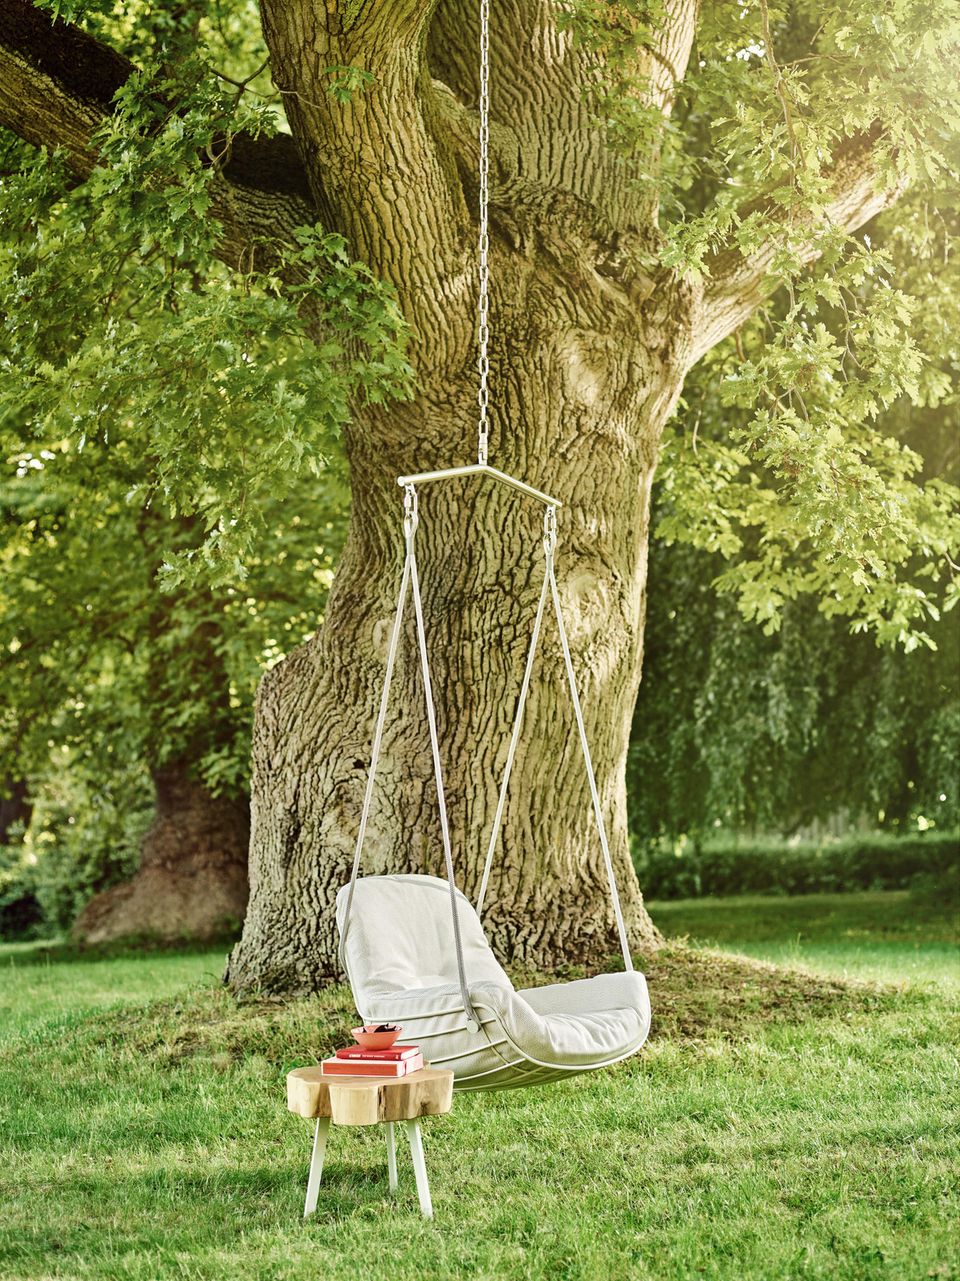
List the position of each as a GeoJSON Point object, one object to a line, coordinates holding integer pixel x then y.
{"type": "Point", "coordinates": [38, 991]}
{"type": "Point", "coordinates": [893, 936]}
{"type": "Point", "coordinates": [779, 1125]}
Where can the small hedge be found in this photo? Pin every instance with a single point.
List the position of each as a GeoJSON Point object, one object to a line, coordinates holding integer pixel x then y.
{"type": "Point", "coordinates": [854, 863]}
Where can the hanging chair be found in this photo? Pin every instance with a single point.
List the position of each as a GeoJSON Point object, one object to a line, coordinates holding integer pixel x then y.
{"type": "Point", "coordinates": [412, 946]}
{"type": "Point", "coordinates": [401, 960]}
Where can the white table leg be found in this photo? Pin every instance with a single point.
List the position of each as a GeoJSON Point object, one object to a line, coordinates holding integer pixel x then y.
{"type": "Point", "coordinates": [392, 1155]}
{"type": "Point", "coordinates": [420, 1168]}
{"type": "Point", "coordinates": [316, 1164]}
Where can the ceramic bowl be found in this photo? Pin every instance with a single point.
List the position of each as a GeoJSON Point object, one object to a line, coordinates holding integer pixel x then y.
{"type": "Point", "coordinates": [371, 1040]}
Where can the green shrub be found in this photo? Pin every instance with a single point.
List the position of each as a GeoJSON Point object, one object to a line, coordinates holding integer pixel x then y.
{"type": "Point", "coordinates": [875, 861]}
{"type": "Point", "coordinates": [90, 841]}
{"type": "Point", "coordinates": [84, 837]}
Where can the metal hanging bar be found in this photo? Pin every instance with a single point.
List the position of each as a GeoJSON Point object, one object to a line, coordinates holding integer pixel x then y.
{"type": "Point", "coordinates": [479, 469]}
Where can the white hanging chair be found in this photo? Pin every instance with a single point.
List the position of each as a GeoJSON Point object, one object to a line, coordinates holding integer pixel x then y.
{"type": "Point", "coordinates": [400, 957]}
{"type": "Point", "coordinates": [413, 947]}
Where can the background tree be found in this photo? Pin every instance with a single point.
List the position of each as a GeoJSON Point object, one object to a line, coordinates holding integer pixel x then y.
{"type": "Point", "coordinates": [128, 689]}
{"type": "Point", "coordinates": [776, 727]}
{"type": "Point", "coordinates": [658, 174]}
{"type": "Point", "coordinates": [740, 732]}
{"type": "Point", "coordinates": [105, 669]}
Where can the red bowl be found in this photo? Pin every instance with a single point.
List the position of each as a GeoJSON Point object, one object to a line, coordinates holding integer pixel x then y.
{"type": "Point", "coordinates": [370, 1040]}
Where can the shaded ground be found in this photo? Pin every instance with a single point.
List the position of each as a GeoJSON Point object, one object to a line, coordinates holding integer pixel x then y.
{"type": "Point", "coordinates": [698, 995]}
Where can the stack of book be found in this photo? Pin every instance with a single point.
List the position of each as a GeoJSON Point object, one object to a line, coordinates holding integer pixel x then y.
{"type": "Point", "coordinates": [398, 1060]}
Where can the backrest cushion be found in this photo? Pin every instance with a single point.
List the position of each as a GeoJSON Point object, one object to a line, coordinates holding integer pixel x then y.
{"type": "Point", "coordinates": [401, 937]}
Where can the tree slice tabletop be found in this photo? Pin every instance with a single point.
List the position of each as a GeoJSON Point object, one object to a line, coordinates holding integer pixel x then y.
{"type": "Point", "coordinates": [367, 1100]}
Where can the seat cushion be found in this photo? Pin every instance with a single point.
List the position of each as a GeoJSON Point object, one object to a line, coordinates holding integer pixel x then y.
{"type": "Point", "coordinates": [581, 1034]}
{"type": "Point", "coordinates": [400, 937]}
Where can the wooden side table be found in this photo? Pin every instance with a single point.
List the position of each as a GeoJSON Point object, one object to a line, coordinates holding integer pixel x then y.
{"type": "Point", "coordinates": [370, 1100]}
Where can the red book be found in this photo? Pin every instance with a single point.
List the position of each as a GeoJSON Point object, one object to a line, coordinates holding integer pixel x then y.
{"type": "Point", "coordinates": [371, 1067]}
{"type": "Point", "coordinates": [393, 1054]}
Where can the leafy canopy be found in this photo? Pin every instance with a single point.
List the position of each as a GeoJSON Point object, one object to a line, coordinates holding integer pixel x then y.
{"type": "Point", "coordinates": [166, 421]}
{"type": "Point", "coordinates": [793, 480]}
{"type": "Point", "coordinates": [239, 381]}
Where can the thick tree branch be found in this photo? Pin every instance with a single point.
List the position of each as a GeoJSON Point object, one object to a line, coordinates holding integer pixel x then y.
{"type": "Point", "coordinates": [551, 222]}
{"type": "Point", "coordinates": [667, 59]}
{"type": "Point", "coordinates": [56, 88]}
{"type": "Point", "coordinates": [541, 89]}
{"type": "Point", "coordinates": [739, 283]}
{"type": "Point", "coordinates": [380, 171]}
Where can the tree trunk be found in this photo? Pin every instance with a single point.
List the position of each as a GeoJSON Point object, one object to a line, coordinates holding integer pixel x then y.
{"type": "Point", "coordinates": [16, 807]}
{"type": "Point", "coordinates": [584, 372]}
{"type": "Point", "coordinates": [192, 879]}
{"type": "Point", "coordinates": [570, 404]}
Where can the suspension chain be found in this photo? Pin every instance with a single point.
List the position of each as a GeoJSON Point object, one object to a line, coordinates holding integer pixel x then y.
{"type": "Point", "coordinates": [483, 305]}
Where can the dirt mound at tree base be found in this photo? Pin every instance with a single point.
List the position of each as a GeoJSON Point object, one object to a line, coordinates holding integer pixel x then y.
{"type": "Point", "coordinates": [697, 995]}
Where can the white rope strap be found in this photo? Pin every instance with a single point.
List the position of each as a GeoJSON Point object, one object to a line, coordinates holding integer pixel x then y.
{"type": "Point", "coordinates": [377, 736]}
{"type": "Point", "coordinates": [514, 739]}
{"type": "Point", "coordinates": [412, 579]}
{"type": "Point", "coordinates": [550, 543]}
{"type": "Point", "coordinates": [483, 239]}
{"type": "Point", "coordinates": [473, 1022]}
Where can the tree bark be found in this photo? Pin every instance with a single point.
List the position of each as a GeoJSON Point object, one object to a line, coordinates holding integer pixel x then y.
{"type": "Point", "coordinates": [192, 879]}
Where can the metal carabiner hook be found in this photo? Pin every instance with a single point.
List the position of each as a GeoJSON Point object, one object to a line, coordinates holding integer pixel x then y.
{"type": "Point", "coordinates": [549, 530]}
{"type": "Point", "coordinates": [410, 506]}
